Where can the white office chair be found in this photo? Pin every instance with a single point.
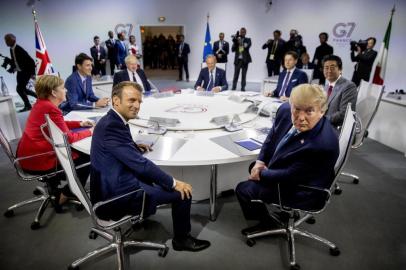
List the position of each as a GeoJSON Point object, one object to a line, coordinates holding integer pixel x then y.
{"type": "Point", "coordinates": [290, 227]}
{"type": "Point", "coordinates": [154, 89]}
{"type": "Point", "coordinates": [108, 229]}
{"type": "Point", "coordinates": [219, 65]}
{"type": "Point", "coordinates": [309, 73]}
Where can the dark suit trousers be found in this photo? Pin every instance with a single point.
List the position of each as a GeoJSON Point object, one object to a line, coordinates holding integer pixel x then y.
{"type": "Point", "coordinates": [180, 208]}
{"type": "Point", "coordinates": [22, 80]}
{"type": "Point", "coordinates": [237, 67]}
{"type": "Point", "coordinates": [273, 68]}
{"type": "Point", "coordinates": [99, 68]}
{"type": "Point", "coordinates": [356, 78]}
{"type": "Point", "coordinates": [183, 64]}
{"type": "Point", "coordinates": [254, 190]}
{"type": "Point", "coordinates": [112, 65]}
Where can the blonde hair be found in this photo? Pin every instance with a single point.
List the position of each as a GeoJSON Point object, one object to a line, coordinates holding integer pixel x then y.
{"type": "Point", "coordinates": [45, 84]}
{"type": "Point", "coordinates": [130, 58]}
{"type": "Point", "coordinates": [306, 94]}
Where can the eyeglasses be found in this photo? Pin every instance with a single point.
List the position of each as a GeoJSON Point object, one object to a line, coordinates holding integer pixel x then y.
{"type": "Point", "coordinates": [333, 67]}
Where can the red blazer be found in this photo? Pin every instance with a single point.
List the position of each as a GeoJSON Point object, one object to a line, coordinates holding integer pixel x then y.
{"type": "Point", "coordinates": [33, 142]}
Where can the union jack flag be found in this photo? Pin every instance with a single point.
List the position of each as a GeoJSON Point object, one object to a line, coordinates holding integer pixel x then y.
{"type": "Point", "coordinates": [43, 62]}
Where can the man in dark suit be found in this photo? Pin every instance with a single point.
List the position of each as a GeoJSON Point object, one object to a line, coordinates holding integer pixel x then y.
{"type": "Point", "coordinates": [365, 61]}
{"type": "Point", "coordinates": [80, 94]}
{"type": "Point", "coordinates": [301, 149]}
{"type": "Point", "coordinates": [111, 51]}
{"type": "Point", "coordinates": [305, 63]}
{"type": "Point", "coordinates": [211, 78]}
{"type": "Point", "coordinates": [289, 78]}
{"type": "Point", "coordinates": [295, 44]}
{"type": "Point", "coordinates": [221, 48]}
{"type": "Point", "coordinates": [340, 91]}
{"type": "Point", "coordinates": [241, 47]}
{"type": "Point", "coordinates": [121, 51]}
{"type": "Point", "coordinates": [182, 52]}
{"type": "Point", "coordinates": [118, 167]}
{"type": "Point", "coordinates": [276, 50]}
{"type": "Point", "coordinates": [321, 51]}
{"type": "Point", "coordinates": [98, 54]}
{"type": "Point", "coordinates": [132, 73]}
{"type": "Point", "coordinates": [21, 62]}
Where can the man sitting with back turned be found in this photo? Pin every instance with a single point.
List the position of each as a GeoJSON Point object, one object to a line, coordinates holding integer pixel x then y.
{"type": "Point", "coordinates": [301, 149]}
{"type": "Point", "coordinates": [118, 167]}
{"type": "Point", "coordinates": [211, 78]}
{"type": "Point", "coordinates": [79, 93]}
{"type": "Point", "coordinates": [132, 73]}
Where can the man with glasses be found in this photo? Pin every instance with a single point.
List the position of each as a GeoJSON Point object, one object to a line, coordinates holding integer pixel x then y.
{"type": "Point", "coordinates": [340, 91]}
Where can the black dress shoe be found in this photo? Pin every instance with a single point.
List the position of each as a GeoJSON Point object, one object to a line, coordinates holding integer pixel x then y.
{"type": "Point", "coordinates": [189, 243]}
{"type": "Point", "coordinates": [179, 80]}
{"type": "Point", "coordinates": [25, 109]}
{"type": "Point", "coordinates": [260, 227]}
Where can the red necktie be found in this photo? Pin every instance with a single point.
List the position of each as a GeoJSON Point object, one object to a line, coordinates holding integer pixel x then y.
{"type": "Point", "coordinates": [330, 89]}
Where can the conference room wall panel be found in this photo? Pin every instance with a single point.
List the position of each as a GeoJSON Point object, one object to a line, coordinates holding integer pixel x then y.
{"type": "Point", "coordinates": [68, 27]}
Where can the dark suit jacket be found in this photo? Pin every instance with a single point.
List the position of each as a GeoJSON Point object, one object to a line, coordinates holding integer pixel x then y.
{"type": "Point", "coordinates": [122, 76]}
{"type": "Point", "coordinates": [365, 61]}
{"type": "Point", "coordinates": [306, 159]}
{"type": "Point", "coordinates": [111, 50]}
{"type": "Point", "coordinates": [246, 56]}
{"type": "Point", "coordinates": [121, 52]}
{"type": "Point", "coordinates": [220, 80]}
{"type": "Point", "coordinates": [93, 53]}
{"type": "Point", "coordinates": [321, 51]}
{"type": "Point", "coordinates": [343, 93]}
{"type": "Point", "coordinates": [309, 66]}
{"type": "Point", "coordinates": [118, 167]}
{"type": "Point", "coordinates": [279, 51]}
{"type": "Point", "coordinates": [24, 60]}
{"type": "Point", "coordinates": [297, 77]}
{"type": "Point", "coordinates": [185, 51]}
{"type": "Point", "coordinates": [224, 52]}
{"type": "Point", "coordinates": [76, 98]}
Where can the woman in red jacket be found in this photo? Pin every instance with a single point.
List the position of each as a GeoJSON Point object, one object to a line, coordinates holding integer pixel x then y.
{"type": "Point", "coordinates": [51, 93]}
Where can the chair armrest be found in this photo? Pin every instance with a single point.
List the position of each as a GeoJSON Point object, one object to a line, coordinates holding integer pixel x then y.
{"type": "Point", "coordinates": [125, 218]}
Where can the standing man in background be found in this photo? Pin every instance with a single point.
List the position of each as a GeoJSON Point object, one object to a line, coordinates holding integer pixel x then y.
{"type": "Point", "coordinates": [21, 62]}
{"type": "Point", "coordinates": [182, 51]}
{"type": "Point", "coordinates": [241, 47]}
{"type": "Point", "coordinates": [276, 50]}
{"type": "Point", "coordinates": [111, 52]}
{"type": "Point", "coordinates": [98, 54]}
{"type": "Point", "coordinates": [121, 51]}
{"type": "Point", "coordinates": [221, 48]}
{"type": "Point", "coordinates": [321, 51]}
{"type": "Point", "coordinates": [365, 60]}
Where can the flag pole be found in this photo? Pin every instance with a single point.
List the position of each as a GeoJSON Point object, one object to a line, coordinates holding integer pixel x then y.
{"type": "Point", "coordinates": [34, 13]}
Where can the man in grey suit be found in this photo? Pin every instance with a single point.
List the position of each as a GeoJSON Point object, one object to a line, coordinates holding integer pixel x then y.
{"type": "Point", "coordinates": [340, 91]}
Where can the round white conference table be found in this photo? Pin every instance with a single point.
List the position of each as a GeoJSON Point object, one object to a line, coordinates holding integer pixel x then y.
{"type": "Point", "coordinates": [195, 137]}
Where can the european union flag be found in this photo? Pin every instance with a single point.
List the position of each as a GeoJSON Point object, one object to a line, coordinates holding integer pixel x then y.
{"type": "Point", "coordinates": [207, 44]}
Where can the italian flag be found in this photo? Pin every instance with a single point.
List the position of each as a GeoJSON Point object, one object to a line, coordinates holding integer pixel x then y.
{"type": "Point", "coordinates": [380, 68]}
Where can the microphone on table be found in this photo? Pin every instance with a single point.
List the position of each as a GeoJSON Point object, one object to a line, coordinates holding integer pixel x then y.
{"type": "Point", "coordinates": [234, 125]}
{"type": "Point", "coordinates": [156, 128]}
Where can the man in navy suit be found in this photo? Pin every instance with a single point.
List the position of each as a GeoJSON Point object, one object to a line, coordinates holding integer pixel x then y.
{"type": "Point", "coordinates": [305, 63]}
{"type": "Point", "coordinates": [211, 78]}
{"type": "Point", "coordinates": [132, 73]}
{"type": "Point", "coordinates": [121, 51]}
{"type": "Point", "coordinates": [118, 167]}
{"type": "Point", "coordinates": [99, 55]}
{"type": "Point", "coordinates": [182, 51]}
{"type": "Point", "coordinates": [301, 149]}
{"type": "Point", "coordinates": [80, 94]}
{"type": "Point", "coordinates": [221, 48]}
{"type": "Point", "coordinates": [289, 78]}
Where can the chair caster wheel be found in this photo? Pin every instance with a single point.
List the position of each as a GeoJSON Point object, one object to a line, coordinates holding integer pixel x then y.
{"type": "Point", "coordinates": [163, 251]}
{"type": "Point", "coordinates": [338, 191]}
{"type": "Point", "coordinates": [355, 180]}
{"type": "Point", "coordinates": [93, 235]}
{"type": "Point", "coordinates": [334, 251]}
{"type": "Point", "coordinates": [36, 192]}
{"type": "Point", "coordinates": [79, 207]}
{"type": "Point", "coordinates": [311, 220]}
{"type": "Point", "coordinates": [70, 267]}
{"type": "Point", "coordinates": [9, 213]}
{"type": "Point", "coordinates": [251, 242]}
{"type": "Point", "coordinates": [295, 267]}
{"type": "Point", "coordinates": [35, 225]}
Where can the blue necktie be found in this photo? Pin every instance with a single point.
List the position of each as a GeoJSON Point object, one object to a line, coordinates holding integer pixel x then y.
{"type": "Point", "coordinates": [211, 82]}
{"type": "Point", "coordinates": [292, 132]}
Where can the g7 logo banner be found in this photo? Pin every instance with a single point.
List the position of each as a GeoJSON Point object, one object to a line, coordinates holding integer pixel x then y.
{"type": "Point", "coordinates": [126, 29]}
{"type": "Point", "coordinates": [342, 31]}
